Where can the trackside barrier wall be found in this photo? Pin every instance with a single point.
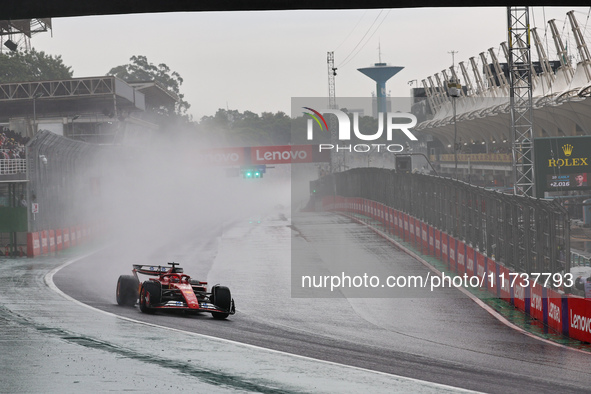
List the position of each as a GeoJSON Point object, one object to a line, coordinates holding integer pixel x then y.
{"type": "Point", "coordinates": [65, 180]}
{"type": "Point", "coordinates": [566, 314]}
{"type": "Point", "coordinates": [50, 241]}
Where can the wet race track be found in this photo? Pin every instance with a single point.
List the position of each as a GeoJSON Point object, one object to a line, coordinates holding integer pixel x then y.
{"type": "Point", "coordinates": [442, 341]}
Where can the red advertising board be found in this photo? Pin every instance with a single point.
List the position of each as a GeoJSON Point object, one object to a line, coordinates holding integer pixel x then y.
{"type": "Point", "coordinates": [221, 157]}
{"type": "Point", "coordinates": [431, 241]}
{"type": "Point", "coordinates": [437, 236]}
{"type": "Point", "coordinates": [518, 292]}
{"type": "Point", "coordinates": [73, 237]}
{"type": "Point", "coordinates": [391, 224]}
{"type": "Point", "coordinates": [579, 318]}
{"type": "Point", "coordinates": [51, 240]}
{"type": "Point", "coordinates": [424, 238]}
{"type": "Point", "coordinates": [470, 267]}
{"type": "Point", "coordinates": [58, 240]}
{"type": "Point", "coordinates": [411, 229]}
{"type": "Point", "coordinates": [444, 248]}
{"type": "Point", "coordinates": [281, 154]}
{"type": "Point", "coordinates": [481, 268]}
{"type": "Point", "coordinates": [461, 257]}
{"type": "Point", "coordinates": [505, 283]}
{"type": "Point", "coordinates": [554, 310]}
{"type": "Point", "coordinates": [451, 251]}
{"type": "Point", "coordinates": [536, 301]}
{"type": "Point", "coordinates": [406, 227]}
{"type": "Point", "coordinates": [33, 244]}
{"type": "Point", "coordinates": [44, 244]}
{"type": "Point", "coordinates": [66, 237]}
{"type": "Point", "coordinates": [492, 277]}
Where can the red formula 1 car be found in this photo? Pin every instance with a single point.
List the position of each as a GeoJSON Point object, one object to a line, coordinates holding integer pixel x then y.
{"type": "Point", "coordinates": [171, 289]}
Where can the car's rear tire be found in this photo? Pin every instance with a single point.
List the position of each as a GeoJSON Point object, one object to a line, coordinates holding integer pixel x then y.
{"type": "Point", "coordinates": [221, 297]}
{"type": "Point", "coordinates": [127, 290]}
{"type": "Point", "coordinates": [150, 294]}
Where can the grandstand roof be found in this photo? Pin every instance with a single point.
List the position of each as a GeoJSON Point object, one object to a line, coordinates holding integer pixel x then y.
{"type": "Point", "coordinates": [76, 96]}
{"type": "Point", "coordinates": [156, 93]}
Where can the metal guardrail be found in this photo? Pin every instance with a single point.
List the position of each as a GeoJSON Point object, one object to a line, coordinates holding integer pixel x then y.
{"type": "Point", "coordinates": [523, 233]}
{"type": "Point", "coordinates": [579, 260]}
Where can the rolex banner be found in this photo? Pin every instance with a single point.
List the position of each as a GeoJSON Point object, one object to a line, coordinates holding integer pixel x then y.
{"type": "Point", "coordinates": [562, 163]}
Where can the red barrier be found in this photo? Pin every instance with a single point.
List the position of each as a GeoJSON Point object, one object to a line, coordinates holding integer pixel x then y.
{"type": "Point", "coordinates": [505, 283]}
{"type": "Point", "coordinates": [423, 237]}
{"type": "Point", "coordinates": [554, 310]}
{"type": "Point", "coordinates": [431, 241]}
{"type": "Point", "coordinates": [73, 237]}
{"type": "Point", "coordinates": [411, 230]}
{"type": "Point", "coordinates": [444, 248]}
{"type": "Point", "coordinates": [66, 237]}
{"type": "Point", "coordinates": [79, 237]}
{"type": "Point", "coordinates": [58, 240]}
{"type": "Point", "coordinates": [381, 215]}
{"type": "Point", "coordinates": [481, 269]}
{"type": "Point", "coordinates": [470, 267]}
{"type": "Point", "coordinates": [418, 239]}
{"type": "Point", "coordinates": [52, 241]}
{"type": "Point", "coordinates": [492, 277]}
{"type": "Point", "coordinates": [44, 245]}
{"type": "Point", "coordinates": [519, 293]}
{"type": "Point", "coordinates": [451, 251]}
{"type": "Point", "coordinates": [537, 301]}
{"type": "Point", "coordinates": [437, 236]}
{"type": "Point", "coordinates": [406, 227]}
{"type": "Point", "coordinates": [33, 244]}
{"type": "Point", "coordinates": [394, 219]}
{"type": "Point", "coordinates": [399, 217]}
{"type": "Point", "coordinates": [461, 257]}
{"type": "Point", "coordinates": [579, 318]}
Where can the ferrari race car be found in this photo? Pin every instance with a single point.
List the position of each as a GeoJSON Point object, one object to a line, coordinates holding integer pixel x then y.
{"type": "Point", "coordinates": [171, 289]}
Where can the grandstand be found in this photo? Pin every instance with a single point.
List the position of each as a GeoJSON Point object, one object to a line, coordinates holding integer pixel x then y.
{"type": "Point", "coordinates": [561, 107]}
{"type": "Point", "coordinates": [48, 129]}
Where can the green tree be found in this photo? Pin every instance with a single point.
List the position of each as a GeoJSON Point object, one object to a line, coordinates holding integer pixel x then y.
{"type": "Point", "coordinates": [233, 128]}
{"type": "Point", "coordinates": [24, 66]}
{"type": "Point", "coordinates": [140, 70]}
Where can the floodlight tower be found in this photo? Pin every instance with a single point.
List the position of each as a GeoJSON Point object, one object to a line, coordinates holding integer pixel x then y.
{"type": "Point", "coordinates": [381, 72]}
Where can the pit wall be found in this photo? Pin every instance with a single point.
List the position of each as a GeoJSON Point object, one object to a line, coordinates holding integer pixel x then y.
{"type": "Point", "coordinates": [55, 240]}
{"type": "Point", "coordinates": [566, 314]}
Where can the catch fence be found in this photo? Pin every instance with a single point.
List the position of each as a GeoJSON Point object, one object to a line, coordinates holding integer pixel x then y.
{"type": "Point", "coordinates": [523, 233]}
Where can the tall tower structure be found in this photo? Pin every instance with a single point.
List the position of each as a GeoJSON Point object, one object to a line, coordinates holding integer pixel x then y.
{"type": "Point", "coordinates": [381, 72]}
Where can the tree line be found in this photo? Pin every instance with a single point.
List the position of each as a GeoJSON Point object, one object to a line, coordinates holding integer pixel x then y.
{"type": "Point", "coordinates": [225, 128]}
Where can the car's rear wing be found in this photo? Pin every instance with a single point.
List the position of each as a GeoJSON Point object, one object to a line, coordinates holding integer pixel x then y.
{"type": "Point", "coordinates": [154, 270]}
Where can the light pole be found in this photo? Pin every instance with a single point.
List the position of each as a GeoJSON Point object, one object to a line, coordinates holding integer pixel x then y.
{"type": "Point", "coordinates": [35, 97]}
{"type": "Point", "coordinates": [71, 126]}
{"type": "Point", "coordinates": [454, 92]}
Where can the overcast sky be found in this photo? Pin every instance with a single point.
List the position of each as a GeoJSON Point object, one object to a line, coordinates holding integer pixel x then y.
{"type": "Point", "coordinates": [257, 61]}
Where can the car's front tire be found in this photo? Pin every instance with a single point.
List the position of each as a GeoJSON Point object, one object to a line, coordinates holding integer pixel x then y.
{"type": "Point", "coordinates": [221, 297]}
{"type": "Point", "coordinates": [127, 290]}
{"type": "Point", "coordinates": [150, 294]}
